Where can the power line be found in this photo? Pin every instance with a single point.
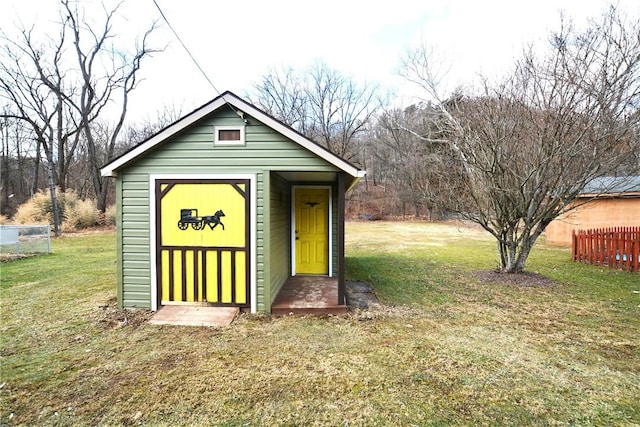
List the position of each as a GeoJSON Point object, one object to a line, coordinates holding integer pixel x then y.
{"type": "Point", "coordinates": [185, 47]}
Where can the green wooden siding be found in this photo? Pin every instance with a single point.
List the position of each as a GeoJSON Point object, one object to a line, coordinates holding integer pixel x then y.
{"type": "Point", "coordinates": [280, 231]}
{"type": "Point", "coordinates": [134, 240]}
{"type": "Point", "coordinates": [193, 152]}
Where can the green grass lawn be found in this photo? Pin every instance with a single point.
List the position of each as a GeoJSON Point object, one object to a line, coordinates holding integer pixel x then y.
{"type": "Point", "coordinates": [451, 345]}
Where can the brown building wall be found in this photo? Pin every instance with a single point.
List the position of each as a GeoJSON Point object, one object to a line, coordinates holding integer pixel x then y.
{"type": "Point", "coordinates": [600, 213]}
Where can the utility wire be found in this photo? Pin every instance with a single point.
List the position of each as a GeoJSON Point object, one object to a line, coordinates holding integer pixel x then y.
{"type": "Point", "coordinates": [185, 47]}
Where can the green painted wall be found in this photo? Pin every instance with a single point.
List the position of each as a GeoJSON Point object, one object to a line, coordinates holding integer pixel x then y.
{"type": "Point", "coordinates": [280, 228]}
{"type": "Point", "coordinates": [193, 152]}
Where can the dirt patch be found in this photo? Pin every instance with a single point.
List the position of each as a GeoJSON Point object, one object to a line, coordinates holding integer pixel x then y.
{"type": "Point", "coordinates": [517, 279]}
{"type": "Point", "coordinates": [360, 295]}
{"type": "Point", "coordinates": [14, 257]}
{"type": "Point", "coordinates": [113, 317]}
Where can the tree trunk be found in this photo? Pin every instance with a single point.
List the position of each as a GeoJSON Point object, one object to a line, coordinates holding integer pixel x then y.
{"type": "Point", "coordinates": [4, 168]}
{"type": "Point", "coordinates": [54, 200]}
{"type": "Point", "coordinates": [62, 178]}
{"type": "Point", "coordinates": [36, 169]}
{"type": "Point", "coordinates": [508, 252]}
{"type": "Point", "coordinates": [513, 255]}
{"type": "Point", "coordinates": [101, 203]}
{"type": "Point", "coordinates": [99, 184]}
{"type": "Point", "coordinates": [525, 250]}
{"type": "Point", "coordinates": [52, 186]}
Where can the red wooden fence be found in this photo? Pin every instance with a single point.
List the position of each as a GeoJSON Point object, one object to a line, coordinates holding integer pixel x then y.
{"type": "Point", "coordinates": [617, 247]}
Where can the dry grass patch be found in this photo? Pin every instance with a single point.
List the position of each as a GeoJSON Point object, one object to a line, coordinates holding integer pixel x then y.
{"type": "Point", "coordinates": [447, 347]}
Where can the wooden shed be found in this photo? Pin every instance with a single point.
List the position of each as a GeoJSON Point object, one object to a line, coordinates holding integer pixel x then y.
{"type": "Point", "coordinates": [225, 207]}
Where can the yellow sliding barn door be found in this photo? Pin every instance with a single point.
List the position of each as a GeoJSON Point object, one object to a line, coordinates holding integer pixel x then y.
{"type": "Point", "coordinates": [203, 241]}
{"type": "Point", "coordinates": [312, 230]}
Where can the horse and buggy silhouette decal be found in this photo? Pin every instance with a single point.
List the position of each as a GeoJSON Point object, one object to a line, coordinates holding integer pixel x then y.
{"type": "Point", "coordinates": [191, 217]}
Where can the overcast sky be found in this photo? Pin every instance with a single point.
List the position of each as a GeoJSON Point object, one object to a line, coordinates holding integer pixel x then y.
{"type": "Point", "coordinates": [237, 42]}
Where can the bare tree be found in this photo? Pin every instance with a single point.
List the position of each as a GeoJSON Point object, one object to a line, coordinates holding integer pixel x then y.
{"type": "Point", "coordinates": [282, 94]}
{"type": "Point", "coordinates": [409, 159]}
{"type": "Point", "coordinates": [531, 143]}
{"type": "Point", "coordinates": [106, 75]}
{"type": "Point", "coordinates": [17, 171]}
{"type": "Point", "coordinates": [139, 131]}
{"type": "Point", "coordinates": [322, 104]}
{"type": "Point", "coordinates": [32, 84]}
{"type": "Point", "coordinates": [66, 105]}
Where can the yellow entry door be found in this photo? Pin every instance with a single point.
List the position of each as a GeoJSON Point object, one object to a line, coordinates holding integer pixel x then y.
{"type": "Point", "coordinates": [312, 230]}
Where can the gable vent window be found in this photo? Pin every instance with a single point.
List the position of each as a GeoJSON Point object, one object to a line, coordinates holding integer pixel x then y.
{"type": "Point", "coordinates": [229, 135]}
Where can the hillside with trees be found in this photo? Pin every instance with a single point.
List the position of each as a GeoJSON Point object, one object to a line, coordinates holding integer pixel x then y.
{"type": "Point", "coordinates": [508, 154]}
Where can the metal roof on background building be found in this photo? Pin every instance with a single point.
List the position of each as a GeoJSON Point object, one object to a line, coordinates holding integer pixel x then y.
{"type": "Point", "coordinates": [613, 185]}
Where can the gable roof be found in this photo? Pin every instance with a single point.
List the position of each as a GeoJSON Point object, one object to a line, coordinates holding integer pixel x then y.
{"type": "Point", "coordinates": [229, 98]}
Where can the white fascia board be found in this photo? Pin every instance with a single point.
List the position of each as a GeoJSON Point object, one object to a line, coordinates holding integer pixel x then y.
{"type": "Point", "coordinates": [110, 169]}
{"type": "Point", "coordinates": [301, 140]}
{"type": "Point", "coordinates": [237, 103]}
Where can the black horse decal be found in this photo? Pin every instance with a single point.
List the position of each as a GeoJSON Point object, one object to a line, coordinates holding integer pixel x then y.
{"type": "Point", "coordinates": [214, 220]}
